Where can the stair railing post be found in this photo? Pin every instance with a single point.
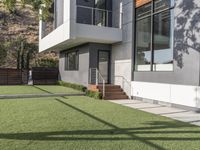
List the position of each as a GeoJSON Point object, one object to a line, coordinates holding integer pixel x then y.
{"type": "Point", "coordinates": [96, 77]}
{"type": "Point", "coordinates": [103, 88]}
{"type": "Point", "coordinates": [90, 76]}
{"type": "Point", "coordinates": [123, 83]}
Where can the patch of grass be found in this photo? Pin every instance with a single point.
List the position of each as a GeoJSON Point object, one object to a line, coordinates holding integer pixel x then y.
{"type": "Point", "coordinates": [53, 89]}
{"type": "Point", "coordinates": [82, 123]}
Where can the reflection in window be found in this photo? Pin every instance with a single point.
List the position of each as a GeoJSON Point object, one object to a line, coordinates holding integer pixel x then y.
{"type": "Point", "coordinates": [143, 11]}
{"type": "Point", "coordinates": [143, 44]}
{"type": "Point", "coordinates": [100, 17]}
{"type": "Point", "coordinates": [154, 50]}
{"type": "Point", "coordinates": [163, 52]}
{"type": "Point", "coordinates": [87, 3]}
{"type": "Point", "coordinates": [86, 15]}
{"type": "Point", "coordinates": [71, 61]}
{"type": "Point", "coordinates": [160, 5]}
{"type": "Point", "coordinates": [101, 4]}
{"type": "Point", "coordinates": [94, 12]}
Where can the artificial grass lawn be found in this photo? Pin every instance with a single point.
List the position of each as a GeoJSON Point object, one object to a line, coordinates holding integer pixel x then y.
{"type": "Point", "coordinates": [53, 89]}
{"type": "Point", "coordinates": [82, 123]}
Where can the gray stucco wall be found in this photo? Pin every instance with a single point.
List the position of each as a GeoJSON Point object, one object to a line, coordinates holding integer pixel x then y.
{"type": "Point", "coordinates": [122, 52]}
{"type": "Point", "coordinates": [186, 47]}
{"type": "Point", "coordinates": [88, 58]}
{"type": "Point", "coordinates": [80, 76]}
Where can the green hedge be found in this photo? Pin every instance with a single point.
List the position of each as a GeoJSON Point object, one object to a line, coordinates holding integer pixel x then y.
{"type": "Point", "coordinates": [73, 86]}
{"type": "Point", "coordinates": [96, 95]}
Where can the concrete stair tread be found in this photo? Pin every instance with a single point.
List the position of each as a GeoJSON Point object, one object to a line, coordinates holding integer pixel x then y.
{"type": "Point", "coordinates": [113, 92]}
{"type": "Point", "coordinates": [116, 97]}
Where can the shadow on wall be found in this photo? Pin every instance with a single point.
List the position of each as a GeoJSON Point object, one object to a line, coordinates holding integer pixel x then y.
{"type": "Point", "coordinates": [187, 29]}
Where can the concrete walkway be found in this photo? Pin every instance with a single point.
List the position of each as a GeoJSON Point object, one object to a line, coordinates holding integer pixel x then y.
{"type": "Point", "coordinates": [174, 113]}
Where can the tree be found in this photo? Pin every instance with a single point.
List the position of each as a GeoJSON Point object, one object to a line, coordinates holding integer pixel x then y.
{"type": "Point", "coordinates": [10, 5]}
{"type": "Point", "coordinates": [44, 5]}
{"type": "Point", "coordinates": [3, 53]}
{"type": "Point", "coordinates": [23, 52]}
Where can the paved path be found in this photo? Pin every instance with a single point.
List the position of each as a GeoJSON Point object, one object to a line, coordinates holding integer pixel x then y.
{"type": "Point", "coordinates": [174, 113]}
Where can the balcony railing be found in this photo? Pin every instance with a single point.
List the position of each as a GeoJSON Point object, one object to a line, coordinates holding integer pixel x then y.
{"type": "Point", "coordinates": [94, 16]}
{"type": "Point", "coordinates": [85, 15]}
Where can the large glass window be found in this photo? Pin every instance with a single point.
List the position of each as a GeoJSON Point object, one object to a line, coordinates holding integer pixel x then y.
{"type": "Point", "coordinates": [94, 12]}
{"type": "Point", "coordinates": [71, 61]}
{"type": "Point", "coordinates": [154, 50]}
{"type": "Point", "coordinates": [143, 44]}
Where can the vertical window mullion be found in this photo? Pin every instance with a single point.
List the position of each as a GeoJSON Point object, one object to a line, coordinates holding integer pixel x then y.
{"type": "Point", "coordinates": [152, 35]}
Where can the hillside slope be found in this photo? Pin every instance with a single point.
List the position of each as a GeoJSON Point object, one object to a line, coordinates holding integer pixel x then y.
{"type": "Point", "coordinates": [22, 24]}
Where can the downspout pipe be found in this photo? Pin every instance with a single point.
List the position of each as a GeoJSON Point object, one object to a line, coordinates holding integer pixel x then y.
{"type": "Point", "coordinates": [133, 41]}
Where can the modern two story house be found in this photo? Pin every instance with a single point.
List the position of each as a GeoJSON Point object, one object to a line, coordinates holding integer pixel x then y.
{"type": "Point", "coordinates": [150, 48]}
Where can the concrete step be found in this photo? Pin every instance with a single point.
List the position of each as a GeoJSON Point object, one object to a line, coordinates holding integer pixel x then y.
{"type": "Point", "coordinates": [116, 97]}
{"type": "Point", "coordinates": [114, 93]}
{"type": "Point", "coordinates": [111, 90]}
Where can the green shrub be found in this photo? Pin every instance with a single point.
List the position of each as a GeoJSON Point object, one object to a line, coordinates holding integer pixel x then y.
{"type": "Point", "coordinates": [73, 86]}
{"type": "Point", "coordinates": [96, 95]}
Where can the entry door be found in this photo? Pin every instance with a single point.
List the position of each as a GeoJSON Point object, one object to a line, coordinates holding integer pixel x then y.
{"type": "Point", "coordinates": [104, 65]}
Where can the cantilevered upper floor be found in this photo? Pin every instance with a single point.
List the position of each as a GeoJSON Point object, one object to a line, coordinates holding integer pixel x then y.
{"type": "Point", "coordinates": [75, 22]}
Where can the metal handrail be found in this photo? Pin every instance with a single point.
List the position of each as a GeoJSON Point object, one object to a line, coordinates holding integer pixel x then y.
{"type": "Point", "coordinates": [93, 8]}
{"type": "Point", "coordinates": [97, 75]}
{"type": "Point", "coordinates": [124, 81]}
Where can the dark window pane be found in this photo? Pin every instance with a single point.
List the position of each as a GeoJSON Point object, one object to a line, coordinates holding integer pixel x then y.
{"type": "Point", "coordinates": [104, 64]}
{"type": "Point", "coordinates": [109, 15]}
{"type": "Point", "coordinates": [100, 17]}
{"type": "Point", "coordinates": [88, 3]}
{"type": "Point", "coordinates": [163, 53]}
{"type": "Point", "coordinates": [84, 15]}
{"type": "Point", "coordinates": [143, 11]}
{"type": "Point", "coordinates": [143, 44]}
{"type": "Point", "coordinates": [161, 5]}
{"type": "Point", "coordinates": [72, 61]}
{"type": "Point", "coordinates": [101, 4]}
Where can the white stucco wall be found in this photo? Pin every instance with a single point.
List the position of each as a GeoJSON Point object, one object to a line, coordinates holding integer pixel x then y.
{"type": "Point", "coordinates": [170, 93]}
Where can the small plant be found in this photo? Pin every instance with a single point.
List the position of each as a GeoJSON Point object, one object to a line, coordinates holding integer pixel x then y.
{"type": "Point", "coordinates": [73, 86]}
{"type": "Point", "coordinates": [96, 95]}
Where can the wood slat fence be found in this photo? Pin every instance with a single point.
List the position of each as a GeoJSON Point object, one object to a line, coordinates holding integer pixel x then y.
{"type": "Point", "coordinates": [44, 76]}
{"type": "Point", "coordinates": [10, 76]}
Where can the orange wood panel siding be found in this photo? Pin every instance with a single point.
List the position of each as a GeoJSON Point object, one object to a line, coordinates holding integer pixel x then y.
{"type": "Point", "coordinates": [141, 2]}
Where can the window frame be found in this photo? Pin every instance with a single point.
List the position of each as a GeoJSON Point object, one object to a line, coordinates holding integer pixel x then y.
{"type": "Point", "coordinates": [76, 61]}
{"type": "Point", "coordinates": [151, 15]}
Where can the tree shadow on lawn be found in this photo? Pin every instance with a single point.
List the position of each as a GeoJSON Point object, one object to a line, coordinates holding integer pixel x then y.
{"type": "Point", "coordinates": [42, 89]}
{"type": "Point", "coordinates": [149, 133]}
